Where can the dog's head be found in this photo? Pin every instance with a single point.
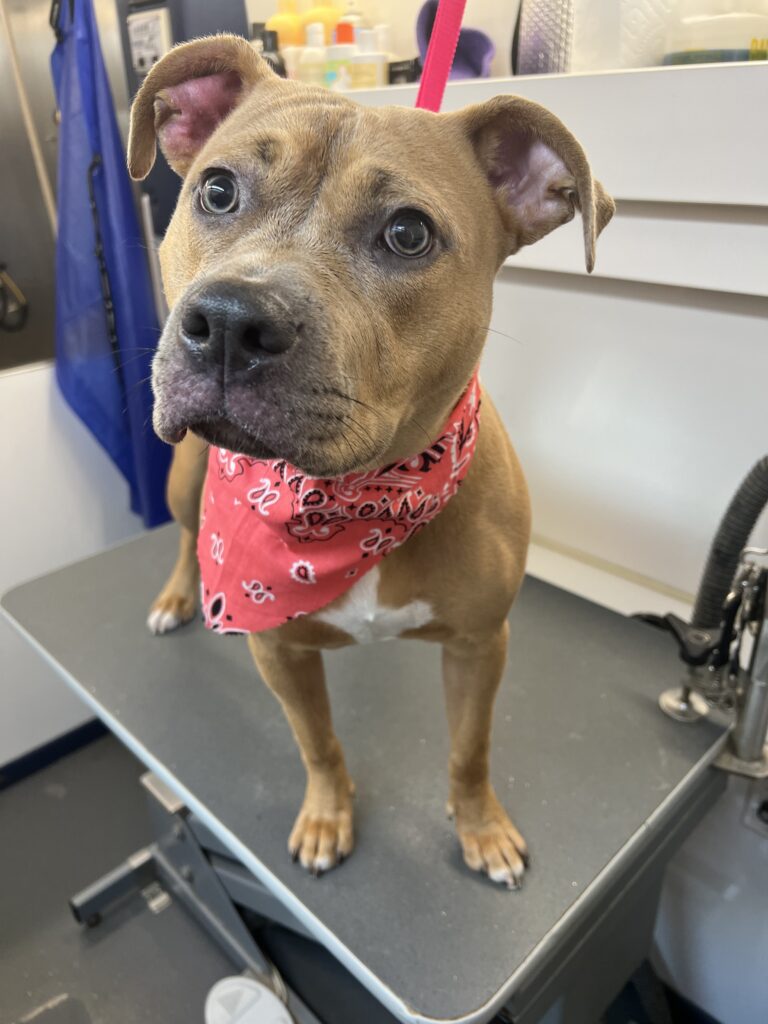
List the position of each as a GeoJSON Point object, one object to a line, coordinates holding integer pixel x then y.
{"type": "Point", "coordinates": [329, 267]}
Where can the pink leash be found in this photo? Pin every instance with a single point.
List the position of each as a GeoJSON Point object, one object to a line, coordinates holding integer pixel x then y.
{"type": "Point", "coordinates": [440, 54]}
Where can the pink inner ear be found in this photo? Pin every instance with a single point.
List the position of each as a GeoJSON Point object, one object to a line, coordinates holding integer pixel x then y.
{"type": "Point", "coordinates": [187, 114]}
{"type": "Point", "coordinates": [527, 169]}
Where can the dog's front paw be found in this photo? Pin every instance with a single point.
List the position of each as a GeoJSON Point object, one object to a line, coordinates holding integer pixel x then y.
{"type": "Point", "coordinates": [323, 836]}
{"type": "Point", "coordinates": [489, 841]}
{"type": "Point", "coordinates": [170, 610]}
{"type": "Point", "coordinates": [318, 843]}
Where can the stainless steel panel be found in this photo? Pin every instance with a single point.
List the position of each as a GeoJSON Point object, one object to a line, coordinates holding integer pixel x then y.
{"type": "Point", "coordinates": [34, 41]}
{"type": "Point", "coordinates": [26, 238]}
{"type": "Point", "coordinates": [108, 21]}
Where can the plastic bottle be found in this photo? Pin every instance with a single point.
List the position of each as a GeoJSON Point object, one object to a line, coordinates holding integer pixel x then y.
{"type": "Point", "coordinates": [382, 40]}
{"type": "Point", "coordinates": [325, 14]}
{"type": "Point", "coordinates": [369, 67]}
{"type": "Point", "coordinates": [269, 52]}
{"type": "Point", "coordinates": [287, 23]}
{"type": "Point", "coordinates": [290, 55]}
{"type": "Point", "coordinates": [709, 31]}
{"type": "Point", "coordinates": [310, 67]}
{"type": "Point", "coordinates": [338, 58]}
{"type": "Point", "coordinates": [353, 16]}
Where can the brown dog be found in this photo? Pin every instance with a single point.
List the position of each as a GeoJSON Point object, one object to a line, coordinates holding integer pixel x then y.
{"type": "Point", "coordinates": [388, 342]}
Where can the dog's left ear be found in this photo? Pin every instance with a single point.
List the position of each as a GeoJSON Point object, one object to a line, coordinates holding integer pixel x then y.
{"type": "Point", "coordinates": [187, 95]}
{"type": "Point", "coordinates": [538, 171]}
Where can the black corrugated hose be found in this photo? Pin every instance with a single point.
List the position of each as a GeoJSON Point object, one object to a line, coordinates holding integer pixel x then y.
{"type": "Point", "coordinates": [730, 540]}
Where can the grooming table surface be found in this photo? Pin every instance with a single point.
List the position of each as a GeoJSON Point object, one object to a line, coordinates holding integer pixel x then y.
{"type": "Point", "coordinates": [582, 757]}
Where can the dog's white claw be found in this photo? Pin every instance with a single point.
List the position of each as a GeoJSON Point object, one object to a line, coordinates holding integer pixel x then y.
{"type": "Point", "coordinates": [161, 621]}
{"type": "Point", "coordinates": [502, 875]}
{"type": "Point", "coordinates": [322, 864]}
{"type": "Point", "coordinates": [511, 877]}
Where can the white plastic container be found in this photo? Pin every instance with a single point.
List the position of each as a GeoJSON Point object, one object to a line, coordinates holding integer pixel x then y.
{"type": "Point", "coordinates": [310, 67]}
{"type": "Point", "coordinates": [368, 68]}
{"type": "Point", "coordinates": [705, 31]}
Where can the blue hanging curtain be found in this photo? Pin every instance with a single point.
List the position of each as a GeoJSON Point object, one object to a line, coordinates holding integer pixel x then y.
{"type": "Point", "coordinates": [106, 324]}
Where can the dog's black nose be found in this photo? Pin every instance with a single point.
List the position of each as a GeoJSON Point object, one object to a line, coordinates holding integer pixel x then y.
{"type": "Point", "coordinates": [237, 322]}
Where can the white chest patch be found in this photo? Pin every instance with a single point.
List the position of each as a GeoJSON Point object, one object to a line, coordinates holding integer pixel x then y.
{"type": "Point", "coordinates": [361, 615]}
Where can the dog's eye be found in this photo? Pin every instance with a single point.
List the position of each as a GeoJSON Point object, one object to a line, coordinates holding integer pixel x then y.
{"type": "Point", "coordinates": [409, 234]}
{"type": "Point", "coordinates": [219, 193]}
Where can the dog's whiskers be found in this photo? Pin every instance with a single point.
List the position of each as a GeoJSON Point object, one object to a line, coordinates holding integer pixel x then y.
{"type": "Point", "coordinates": [350, 398]}
{"type": "Point", "coordinates": [502, 334]}
{"type": "Point", "coordinates": [357, 429]}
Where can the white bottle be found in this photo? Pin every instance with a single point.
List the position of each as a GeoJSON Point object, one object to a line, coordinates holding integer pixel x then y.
{"type": "Point", "coordinates": [382, 41]}
{"type": "Point", "coordinates": [369, 69]}
{"type": "Point", "coordinates": [290, 55]}
{"type": "Point", "coordinates": [353, 16]}
{"type": "Point", "coordinates": [338, 58]}
{"type": "Point", "coordinates": [310, 67]}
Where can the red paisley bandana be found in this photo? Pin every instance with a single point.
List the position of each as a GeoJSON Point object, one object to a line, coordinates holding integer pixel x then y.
{"type": "Point", "coordinates": [275, 544]}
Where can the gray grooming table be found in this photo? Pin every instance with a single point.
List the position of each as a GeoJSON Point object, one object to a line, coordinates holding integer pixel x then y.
{"type": "Point", "coordinates": [603, 786]}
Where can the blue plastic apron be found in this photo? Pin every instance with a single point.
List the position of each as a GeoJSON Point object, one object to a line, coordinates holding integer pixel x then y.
{"type": "Point", "coordinates": [106, 324]}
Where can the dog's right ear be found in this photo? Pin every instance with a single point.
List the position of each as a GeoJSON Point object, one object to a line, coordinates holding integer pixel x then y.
{"type": "Point", "coordinates": [186, 95]}
{"type": "Point", "coordinates": [538, 171]}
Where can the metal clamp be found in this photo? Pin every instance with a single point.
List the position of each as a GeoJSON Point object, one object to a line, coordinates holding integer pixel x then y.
{"type": "Point", "coordinates": [727, 670]}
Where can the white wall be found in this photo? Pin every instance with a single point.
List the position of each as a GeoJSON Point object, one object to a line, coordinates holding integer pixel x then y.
{"type": "Point", "coordinates": [632, 436]}
{"type": "Point", "coordinates": [62, 499]}
{"type": "Point", "coordinates": [496, 19]}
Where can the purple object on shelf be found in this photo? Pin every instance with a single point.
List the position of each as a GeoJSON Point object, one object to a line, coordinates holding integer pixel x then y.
{"type": "Point", "coordinates": [473, 54]}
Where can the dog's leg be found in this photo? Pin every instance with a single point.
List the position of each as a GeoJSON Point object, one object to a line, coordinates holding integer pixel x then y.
{"type": "Point", "coordinates": [322, 835]}
{"type": "Point", "coordinates": [471, 674]}
{"type": "Point", "coordinates": [176, 602]}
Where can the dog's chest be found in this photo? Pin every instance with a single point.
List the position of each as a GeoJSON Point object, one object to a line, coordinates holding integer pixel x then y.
{"type": "Point", "coordinates": [360, 614]}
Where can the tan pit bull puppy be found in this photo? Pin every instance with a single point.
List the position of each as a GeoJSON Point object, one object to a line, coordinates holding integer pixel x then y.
{"type": "Point", "coordinates": [367, 240]}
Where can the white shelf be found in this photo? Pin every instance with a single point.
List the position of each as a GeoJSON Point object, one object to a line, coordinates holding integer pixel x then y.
{"type": "Point", "coordinates": [709, 247]}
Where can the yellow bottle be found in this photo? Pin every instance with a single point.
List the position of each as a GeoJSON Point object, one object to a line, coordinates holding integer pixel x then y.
{"type": "Point", "coordinates": [287, 23]}
{"type": "Point", "coordinates": [327, 15]}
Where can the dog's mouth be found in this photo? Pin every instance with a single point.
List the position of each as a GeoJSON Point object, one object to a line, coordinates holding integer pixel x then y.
{"type": "Point", "coordinates": [223, 434]}
{"type": "Point", "coordinates": [305, 418]}
{"type": "Point", "coordinates": [267, 422]}
{"type": "Point", "coordinates": [217, 429]}
{"type": "Point", "coordinates": [315, 441]}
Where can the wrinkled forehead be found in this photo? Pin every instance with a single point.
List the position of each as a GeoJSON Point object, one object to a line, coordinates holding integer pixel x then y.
{"type": "Point", "coordinates": [312, 143]}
